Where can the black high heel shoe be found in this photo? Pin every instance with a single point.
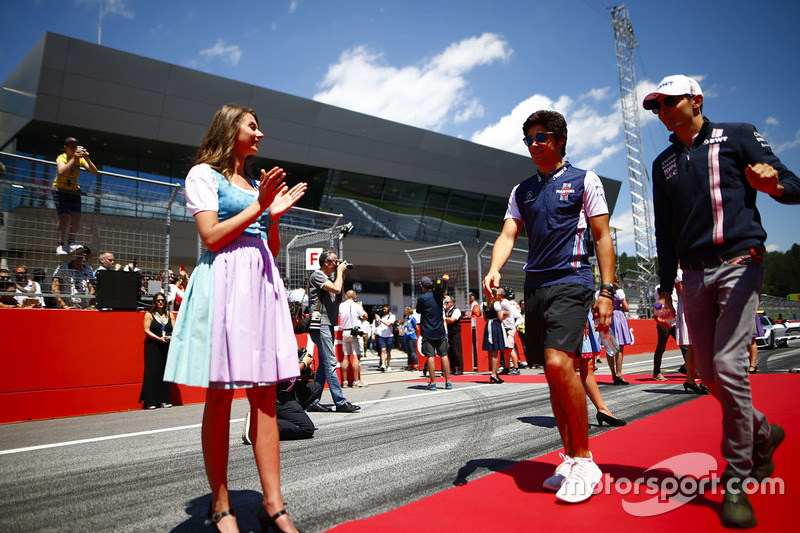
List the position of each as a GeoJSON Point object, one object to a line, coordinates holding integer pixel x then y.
{"type": "Point", "coordinates": [493, 379]}
{"type": "Point", "coordinates": [695, 388]}
{"type": "Point", "coordinates": [267, 522]}
{"type": "Point", "coordinates": [213, 517]}
{"type": "Point", "coordinates": [610, 420]}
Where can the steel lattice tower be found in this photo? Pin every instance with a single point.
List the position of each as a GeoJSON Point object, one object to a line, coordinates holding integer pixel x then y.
{"type": "Point", "coordinates": [624, 43]}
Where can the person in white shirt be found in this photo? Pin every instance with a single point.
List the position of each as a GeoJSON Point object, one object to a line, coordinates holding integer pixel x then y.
{"type": "Point", "coordinates": [350, 316]}
{"type": "Point", "coordinates": [385, 337]}
{"type": "Point", "coordinates": [27, 288]}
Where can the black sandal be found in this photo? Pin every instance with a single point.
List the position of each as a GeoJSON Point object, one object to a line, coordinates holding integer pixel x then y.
{"type": "Point", "coordinates": [213, 517]}
{"type": "Point", "coordinates": [267, 522]}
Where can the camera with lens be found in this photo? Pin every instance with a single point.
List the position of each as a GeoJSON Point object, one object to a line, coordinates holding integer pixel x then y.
{"type": "Point", "coordinates": [308, 373]}
{"type": "Point", "coordinates": [349, 265]}
{"type": "Point", "coordinates": [440, 284]}
{"type": "Point", "coordinates": [6, 285]}
{"type": "Point", "coordinates": [356, 331]}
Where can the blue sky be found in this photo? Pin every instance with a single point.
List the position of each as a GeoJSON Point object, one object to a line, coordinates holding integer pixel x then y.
{"type": "Point", "coordinates": [471, 69]}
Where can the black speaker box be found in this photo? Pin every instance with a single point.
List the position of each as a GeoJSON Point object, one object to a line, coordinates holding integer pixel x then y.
{"type": "Point", "coordinates": [117, 289]}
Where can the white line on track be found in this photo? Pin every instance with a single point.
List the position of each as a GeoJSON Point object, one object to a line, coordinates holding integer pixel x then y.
{"type": "Point", "coordinates": [238, 420]}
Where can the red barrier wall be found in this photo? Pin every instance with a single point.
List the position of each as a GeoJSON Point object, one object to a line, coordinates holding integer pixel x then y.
{"type": "Point", "coordinates": [60, 363]}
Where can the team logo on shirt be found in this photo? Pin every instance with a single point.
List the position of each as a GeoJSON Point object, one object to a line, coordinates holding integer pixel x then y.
{"type": "Point", "coordinates": [761, 140]}
{"type": "Point", "coordinates": [670, 166]}
{"type": "Point", "coordinates": [565, 191]}
{"type": "Point", "coordinates": [529, 197]}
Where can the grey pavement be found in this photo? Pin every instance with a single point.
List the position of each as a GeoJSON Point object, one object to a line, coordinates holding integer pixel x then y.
{"type": "Point", "coordinates": [143, 470]}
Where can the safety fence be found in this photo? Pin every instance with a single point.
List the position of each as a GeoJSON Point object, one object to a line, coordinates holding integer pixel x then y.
{"type": "Point", "coordinates": [436, 262]}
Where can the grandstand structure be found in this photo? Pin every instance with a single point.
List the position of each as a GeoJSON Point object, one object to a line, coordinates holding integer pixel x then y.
{"type": "Point", "coordinates": [401, 187]}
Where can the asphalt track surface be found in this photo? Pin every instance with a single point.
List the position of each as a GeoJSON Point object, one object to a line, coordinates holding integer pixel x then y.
{"type": "Point", "coordinates": [143, 470]}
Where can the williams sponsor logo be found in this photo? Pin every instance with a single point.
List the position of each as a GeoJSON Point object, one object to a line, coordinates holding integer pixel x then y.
{"type": "Point", "coordinates": [565, 191]}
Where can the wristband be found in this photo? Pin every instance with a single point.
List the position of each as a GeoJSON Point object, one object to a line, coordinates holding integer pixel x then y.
{"type": "Point", "coordinates": [610, 297]}
{"type": "Point", "coordinates": [610, 287]}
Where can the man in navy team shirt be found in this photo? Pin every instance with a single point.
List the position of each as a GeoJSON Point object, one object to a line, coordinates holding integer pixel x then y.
{"type": "Point", "coordinates": [704, 190]}
{"type": "Point", "coordinates": [557, 206]}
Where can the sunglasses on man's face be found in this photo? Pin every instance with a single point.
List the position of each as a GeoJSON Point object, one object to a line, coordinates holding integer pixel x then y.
{"type": "Point", "coordinates": [540, 137]}
{"type": "Point", "coordinates": [668, 101]}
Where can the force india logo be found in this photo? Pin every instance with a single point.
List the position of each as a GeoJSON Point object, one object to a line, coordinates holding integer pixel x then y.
{"type": "Point", "coordinates": [565, 191]}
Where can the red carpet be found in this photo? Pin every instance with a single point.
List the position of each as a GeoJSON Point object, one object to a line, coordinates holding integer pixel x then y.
{"type": "Point", "coordinates": [513, 500]}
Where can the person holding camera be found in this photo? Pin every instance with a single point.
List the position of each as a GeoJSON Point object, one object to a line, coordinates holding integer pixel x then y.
{"type": "Point", "coordinates": [67, 193]}
{"type": "Point", "coordinates": [430, 306]}
{"type": "Point", "coordinates": [323, 286]}
{"type": "Point", "coordinates": [350, 316]}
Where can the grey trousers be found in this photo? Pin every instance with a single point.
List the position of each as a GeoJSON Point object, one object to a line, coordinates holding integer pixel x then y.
{"type": "Point", "coordinates": [720, 303]}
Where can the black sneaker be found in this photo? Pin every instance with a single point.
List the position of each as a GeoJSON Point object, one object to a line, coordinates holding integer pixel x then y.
{"type": "Point", "coordinates": [736, 509]}
{"type": "Point", "coordinates": [763, 466]}
{"type": "Point", "coordinates": [347, 407]}
{"type": "Point", "coordinates": [318, 408]}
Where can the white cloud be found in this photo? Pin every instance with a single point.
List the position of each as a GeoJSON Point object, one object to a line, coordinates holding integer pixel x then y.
{"type": "Point", "coordinates": [110, 7]}
{"type": "Point", "coordinates": [773, 248]}
{"type": "Point", "coordinates": [230, 54]}
{"type": "Point", "coordinates": [426, 95]}
{"type": "Point", "coordinates": [772, 121]}
{"type": "Point", "coordinates": [292, 6]}
{"type": "Point", "coordinates": [789, 145]}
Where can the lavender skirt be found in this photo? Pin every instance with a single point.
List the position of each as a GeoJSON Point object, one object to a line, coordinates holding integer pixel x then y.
{"type": "Point", "coordinates": [622, 331]}
{"type": "Point", "coordinates": [591, 344]}
{"type": "Point", "coordinates": [233, 329]}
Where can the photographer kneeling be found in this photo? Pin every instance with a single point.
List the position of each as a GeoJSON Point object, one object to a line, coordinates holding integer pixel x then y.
{"type": "Point", "coordinates": [430, 306]}
{"type": "Point", "coordinates": [293, 397]}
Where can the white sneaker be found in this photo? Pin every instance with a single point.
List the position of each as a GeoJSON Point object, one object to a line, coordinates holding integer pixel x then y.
{"type": "Point", "coordinates": [61, 250]}
{"type": "Point", "coordinates": [554, 482]}
{"type": "Point", "coordinates": [344, 384]}
{"type": "Point", "coordinates": [582, 481]}
{"type": "Point", "coordinates": [388, 369]}
{"type": "Point", "coordinates": [359, 384]}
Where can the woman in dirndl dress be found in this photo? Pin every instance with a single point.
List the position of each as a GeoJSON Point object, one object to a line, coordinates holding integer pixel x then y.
{"type": "Point", "coordinates": [494, 337]}
{"type": "Point", "coordinates": [234, 329]}
{"type": "Point", "coordinates": [590, 350]}
{"type": "Point", "coordinates": [622, 332]}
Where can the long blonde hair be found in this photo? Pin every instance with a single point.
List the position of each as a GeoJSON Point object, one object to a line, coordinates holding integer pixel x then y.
{"type": "Point", "coordinates": [216, 149]}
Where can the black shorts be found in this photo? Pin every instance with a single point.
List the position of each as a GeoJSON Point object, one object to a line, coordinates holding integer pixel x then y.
{"type": "Point", "coordinates": [555, 317]}
{"type": "Point", "coordinates": [435, 348]}
{"type": "Point", "coordinates": [67, 201]}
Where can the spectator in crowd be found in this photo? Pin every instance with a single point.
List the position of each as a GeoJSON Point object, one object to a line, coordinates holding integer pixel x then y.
{"type": "Point", "coordinates": [434, 334]}
{"type": "Point", "coordinates": [664, 331]}
{"type": "Point", "coordinates": [350, 316]}
{"type": "Point", "coordinates": [410, 339]}
{"type": "Point", "coordinates": [107, 262]}
{"type": "Point", "coordinates": [294, 397]}
{"type": "Point", "coordinates": [27, 288]}
{"type": "Point", "coordinates": [177, 284]}
{"type": "Point", "coordinates": [384, 335]}
{"type": "Point", "coordinates": [297, 294]}
{"type": "Point", "coordinates": [324, 285]}
{"type": "Point", "coordinates": [683, 339]}
{"type": "Point", "coordinates": [622, 332]}
{"type": "Point", "coordinates": [758, 332]}
{"type": "Point", "coordinates": [511, 318]}
{"type": "Point", "coordinates": [7, 289]}
{"type": "Point", "coordinates": [67, 193]}
{"type": "Point", "coordinates": [474, 306]}
{"type": "Point", "coordinates": [705, 186]}
{"type": "Point", "coordinates": [366, 332]}
{"type": "Point", "coordinates": [494, 338]}
{"type": "Point", "coordinates": [75, 278]}
{"type": "Point", "coordinates": [158, 324]}
{"type": "Point", "coordinates": [452, 320]}
{"type": "Point", "coordinates": [520, 322]}
{"type": "Point", "coordinates": [558, 206]}
{"type": "Point", "coordinates": [590, 350]}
